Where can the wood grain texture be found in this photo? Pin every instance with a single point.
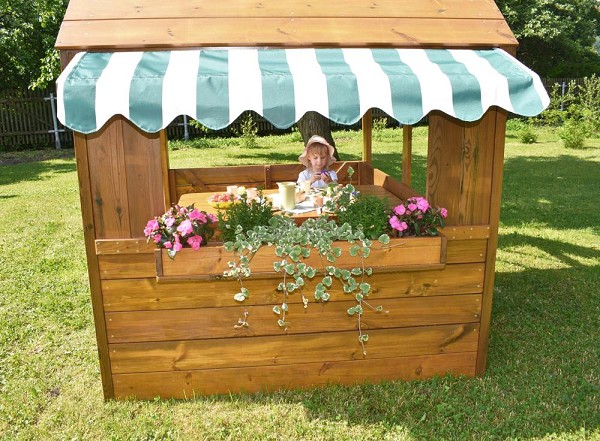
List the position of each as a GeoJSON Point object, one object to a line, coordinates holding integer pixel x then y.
{"type": "Point", "coordinates": [144, 170]}
{"type": "Point", "coordinates": [496, 198]}
{"type": "Point", "coordinates": [460, 157]}
{"type": "Point", "coordinates": [108, 181]}
{"type": "Point", "coordinates": [208, 323]}
{"type": "Point", "coordinates": [406, 155]}
{"type": "Point", "coordinates": [290, 349]}
{"type": "Point", "coordinates": [89, 234]}
{"type": "Point", "coordinates": [148, 295]}
{"type": "Point", "coordinates": [186, 32]}
{"type": "Point", "coordinates": [187, 384]}
{"type": "Point", "coordinates": [213, 259]}
{"type": "Point", "coordinates": [112, 10]}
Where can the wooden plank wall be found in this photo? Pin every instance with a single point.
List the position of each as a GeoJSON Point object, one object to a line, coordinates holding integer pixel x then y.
{"type": "Point", "coordinates": [177, 339]}
{"type": "Point", "coordinates": [194, 180]}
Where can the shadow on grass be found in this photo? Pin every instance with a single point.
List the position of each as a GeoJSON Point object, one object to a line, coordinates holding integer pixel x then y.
{"type": "Point", "coordinates": [542, 375]}
{"type": "Point", "coordinates": [33, 171]}
{"type": "Point", "coordinates": [553, 191]}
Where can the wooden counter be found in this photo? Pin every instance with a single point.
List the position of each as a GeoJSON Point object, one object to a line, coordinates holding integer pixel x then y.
{"type": "Point", "coordinates": [200, 200]}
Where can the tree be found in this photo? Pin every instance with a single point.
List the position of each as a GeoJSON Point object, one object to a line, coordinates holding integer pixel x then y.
{"type": "Point", "coordinates": [313, 123]}
{"type": "Point", "coordinates": [28, 30]}
{"type": "Point", "coordinates": [556, 37]}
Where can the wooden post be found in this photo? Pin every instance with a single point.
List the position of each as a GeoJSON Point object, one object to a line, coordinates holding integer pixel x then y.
{"type": "Point", "coordinates": [367, 132]}
{"type": "Point", "coordinates": [406, 155]}
{"type": "Point", "coordinates": [490, 259]}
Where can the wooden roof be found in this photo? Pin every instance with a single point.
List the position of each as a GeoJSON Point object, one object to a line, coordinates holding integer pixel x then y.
{"type": "Point", "coordinates": [151, 24]}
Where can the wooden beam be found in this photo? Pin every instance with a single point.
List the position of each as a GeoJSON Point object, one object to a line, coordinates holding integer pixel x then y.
{"type": "Point", "coordinates": [367, 134]}
{"type": "Point", "coordinates": [490, 261]}
{"type": "Point", "coordinates": [406, 155]}
{"type": "Point", "coordinates": [89, 234]}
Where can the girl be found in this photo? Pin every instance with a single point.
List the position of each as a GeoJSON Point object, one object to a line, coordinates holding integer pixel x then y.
{"type": "Point", "coordinates": [317, 157]}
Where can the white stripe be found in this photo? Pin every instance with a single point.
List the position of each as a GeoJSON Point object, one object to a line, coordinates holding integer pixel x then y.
{"type": "Point", "coordinates": [373, 84]}
{"type": "Point", "coordinates": [436, 89]}
{"type": "Point", "coordinates": [60, 86]}
{"type": "Point", "coordinates": [537, 82]}
{"type": "Point", "coordinates": [245, 85]}
{"type": "Point", "coordinates": [179, 85]}
{"type": "Point", "coordinates": [310, 84]}
{"type": "Point", "coordinates": [494, 86]}
{"type": "Point", "coordinates": [112, 88]}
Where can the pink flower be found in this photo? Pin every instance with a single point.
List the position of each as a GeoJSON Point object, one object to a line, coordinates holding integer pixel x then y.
{"type": "Point", "coordinates": [185, 227]}
{"type": "Point", "coordinates": [195, 242]}
{"type": "Point", "coordinates": [399, 210]}
{"type": "Point", "coordinates": [151, 227]}
{"type": "Point", "coordinates": [212, 217]}
{"type": "Point", "coordinates": [168, 245]}
{"type": "Point", "coordinates": [156, 238]}
{"type": "Point", "coordinates": [444, 212]}
{"type": "Point", "coordinates": [403, 226]}
{"type": "Point", "coordinates": [394, 222]}
{"type": "Point", "coordinates": [197, 215]}
{"type": "Point", "coordinates": [177, 245]}
{"type": "Point", "coordinates": [169, 221]}
{"type": "Point", "coordinates": [422, 204]}
{"type": "Point", "coordinates": [412, 207]}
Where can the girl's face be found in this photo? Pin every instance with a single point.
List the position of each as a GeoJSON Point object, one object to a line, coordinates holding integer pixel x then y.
{"type": "Point", "coordinates": [318, 160]}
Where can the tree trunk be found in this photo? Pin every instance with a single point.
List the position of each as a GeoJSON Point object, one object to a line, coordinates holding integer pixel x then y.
{"type": "Point", "coordinates": [313, 123]}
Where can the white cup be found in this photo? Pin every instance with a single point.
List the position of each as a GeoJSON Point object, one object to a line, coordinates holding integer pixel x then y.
{"type": "Point", "coordinates": [305, 186]}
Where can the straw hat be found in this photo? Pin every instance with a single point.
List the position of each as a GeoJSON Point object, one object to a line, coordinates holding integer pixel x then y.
{"type": "Point", "coordinates": [316, 139]}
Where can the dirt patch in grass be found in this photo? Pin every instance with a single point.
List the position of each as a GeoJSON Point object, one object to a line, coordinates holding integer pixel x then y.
{"type": "Point", "coordinates": [11, 158]}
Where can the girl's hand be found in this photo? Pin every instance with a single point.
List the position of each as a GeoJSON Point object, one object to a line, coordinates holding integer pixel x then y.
{"type": "Point", "coordinates": [325, 177]}
{"type": "Point", "coordinates": [315, 177]}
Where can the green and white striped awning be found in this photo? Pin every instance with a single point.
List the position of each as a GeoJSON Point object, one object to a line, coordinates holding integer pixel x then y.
{"type": "Point", "coordinates": [214, 86]}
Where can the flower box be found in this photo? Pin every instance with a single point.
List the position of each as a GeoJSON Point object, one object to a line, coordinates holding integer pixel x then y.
{"type": "Point", "coordinates": [210, 262]}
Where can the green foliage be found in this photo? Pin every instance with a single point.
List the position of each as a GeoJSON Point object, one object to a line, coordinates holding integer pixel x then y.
{"type": "Point", "coordinates": [379, 124]}
{"type": "Point", "coordinates": [524, 130]}
{"type": "Point", "coordinates": [368, 213]}
{"type": "Point", "coordinates": [248, 132]}
{"type": "Point", "coordinates": [293, 244]}
{"type": "Point", "coordinates": [28, 30]}
{"type": "Point", "coordinates": [556, 37]}
{"type": "Point", "coordinates": [244, 216]}
{"type": "Point", "coordinates": [573, 134]}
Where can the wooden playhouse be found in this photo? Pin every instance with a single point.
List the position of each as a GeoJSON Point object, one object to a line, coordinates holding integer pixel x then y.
{"type": "Point", "coordinates": [164, 328]}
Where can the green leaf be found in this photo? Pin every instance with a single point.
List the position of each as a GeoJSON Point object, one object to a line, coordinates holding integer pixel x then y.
{"type": "Point", "coordinates": [280, 287]}
{"type": "Point", "coordinates": [354, 249]}
{"type": "Point", "coordinates": [276, 309]}
{"type": "Point", "coordinates": [337, 251]}
{"type": "Point", "coordinates": [356, 271]}
{"type": "Point", "coordinates": [351, 311]}
{"type": "Point", "coordinates": [281, 323]}
{"type": "Point", "coordinates": [310, 272]}
{"type": "Point", "coordinates": [384, 239]}
{"type": "Point", "coordinates": [325, 296]}
{"type": "Point", "coordinates": [363, 338]}
{"type": "Point", "coordinates": [368, 271]}
{"type": "Point", "coordinates": [239, 297]}
{"type": "Point", "coordinates": [327, 281]}
{"type": "Point", "coordinates": [284, 306]}
{"type": "Point", "coordinates": [366, 251]}
{"type": "Point", "coordinates": [345, 274]}
{"type": "Point", "coordinates": [365, 287]}
{"type": "Point", "coordinates": [290, 268]}
{"type": "Point", "coordinates": [277, 266]}
{"type": "Point", "coordinates": [359, 297]}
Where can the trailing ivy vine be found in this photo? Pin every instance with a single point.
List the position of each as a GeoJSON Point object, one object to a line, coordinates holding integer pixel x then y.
{"type": "Point", "coordinates": [293, 246]}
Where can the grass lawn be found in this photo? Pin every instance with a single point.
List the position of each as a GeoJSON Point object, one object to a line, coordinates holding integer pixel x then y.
{"type": "Point", "coordinates": [543, 375]}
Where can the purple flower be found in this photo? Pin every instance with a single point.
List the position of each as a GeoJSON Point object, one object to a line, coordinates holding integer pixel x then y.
{"type": "Point", "coordinates": [169, 221]}
{"type": "Point", "coordinates": [197, 215]}
{"type": "Point", "coordinates": [444, 212]}
{"type": "Point", "coordinates": [422, 204]}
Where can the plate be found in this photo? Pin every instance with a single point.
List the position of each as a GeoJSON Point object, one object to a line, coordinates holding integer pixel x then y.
{"type": "Point", "coordinates": [221, 205]}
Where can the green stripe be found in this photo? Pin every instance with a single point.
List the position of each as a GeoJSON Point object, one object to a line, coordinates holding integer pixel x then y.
{"type": "Point", "coordinates": [466, 90]}
{"type": "Point", "coordinates": [405, 87]}
{"type": "Point", "coordinates": [523, 95]}
{"type": "Point", "coordinates": [145, 92]}
{"type": "Point", "coordinates": [80, 92]}
{"type": "Point", "coordinates": [212, 89]}
{"type": "Point", "coordinates": [277, 88]}
{"type": "Point", "coordinates": [342, 87]}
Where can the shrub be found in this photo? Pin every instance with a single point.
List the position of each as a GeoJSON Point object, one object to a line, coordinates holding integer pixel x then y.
{"type": "Point", "coordinates": [244, 216]}
{"type": "Point", "coordinates": [573, 134]}
{"type": "Point", "coordinates": [527, 134]}
{"type": "Point", "coordinates": [368, 212]}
